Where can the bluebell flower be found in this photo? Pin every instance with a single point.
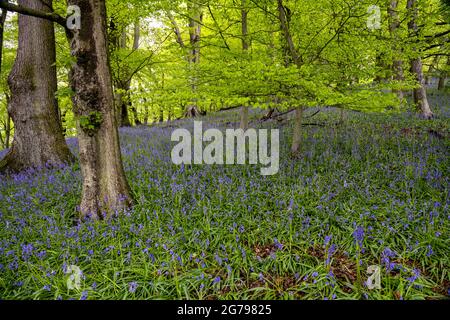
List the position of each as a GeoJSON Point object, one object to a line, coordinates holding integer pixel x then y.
{"type": "Point", "coordinates": [84, 295]}
{"type": "Point", "coordinates": [358, 235]}
{"type": "Point", "coordinates": [430, 251]}
{"type": "Point", "coordinates": [278, 245]}
{"type": "Point", "coordinates": [132, 286]}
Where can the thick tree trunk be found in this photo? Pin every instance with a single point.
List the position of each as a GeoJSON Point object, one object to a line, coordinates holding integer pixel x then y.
{"type": "Point", "coordinates": [420, 93]}
{"type": "Point", "coordinates": [105, 188]}
{"type": "Point", "coordinates": [397, 65]}
{"type": "Point", "coordinates": [38, 139]}
{"type": "Point", "coordinates": [297, 134]}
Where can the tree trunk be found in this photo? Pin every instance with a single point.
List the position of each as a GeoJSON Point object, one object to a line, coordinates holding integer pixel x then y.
{"type": "Point", "coordinates": [195, 29]}
{"type": "Point", "coordinates": [7, 131]}
{"type": "Point", "coordinates": [122, 99]}
{"type": "Point", "coordinates": [244, 118]}
{"type": "Point", "coordinates": [38, 139]}
{"type": "Point", "coordinates": [420, 93]}
{"type": "Point", "coordinates": [245, 47]}
{"type": "Point", "coordinates": [3, 14]}
{"type": "Point", "coordinates": [397, 65]}
{"type": "Point", "coordinates": [137, 122]}
{"type": "Point", "coordinates": [297, 135]}
{"type": "Point", "coordinates": [441, 84]}
{"type": "Point", "coordinates": [124, 82]}
{"type": "Point", "coordinates": [284, 15]}
{"type": "Point", "coordinates": [146, 112]}
{"type": "Point", "coordinates": [124, 87]}
{"type": "Point", "coordinates": [105, 188]}
{"type": "Point", "coordinates": [443, 77]}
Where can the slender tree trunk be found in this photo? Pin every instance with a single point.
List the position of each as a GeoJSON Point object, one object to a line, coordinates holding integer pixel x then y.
{"type": "Point", "coordinates": [195, 30]}
{"type": "Point", "coordinates": [38, 139]}
{"type": "Point", "coordinates": [3, 14]}
{"type": "Point", "coordinates": [105, 188]}
{"type": "Point", "coordinates": [443, 77]}
{"type": "Point", "coordinates": [7, 131]}
{"type": "Point", "coordinates": [297, 134]}
{"type": "Point", "coordinates": [441, 83]}
{"type": "Point", "coordinates": [420, 93]}
{"type": "Point", "coordinates": [284, 16]}
{"type": "Point", "coordinates": [124, 87]}
{"type": "Point", "coordinates": [397, 65]}
{"type": "Point", "coordinates": [124, 104]}
{"type": "Point", "coordinates": [431, 70]}
{"type": "Point", "coordinates": [146, 111]}
{"type": "Point", "coordinates": [124, 82]}
{"type": "Point", "coordinates": [137, 121]}
{"type": "Point", "coordinates": [161, 114]}
{"type": "Point", "coordinates": [245, 47]}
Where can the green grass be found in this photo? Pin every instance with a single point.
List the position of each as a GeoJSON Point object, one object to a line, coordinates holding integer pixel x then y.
{"type": "Point", "coordinates": [263, 236]}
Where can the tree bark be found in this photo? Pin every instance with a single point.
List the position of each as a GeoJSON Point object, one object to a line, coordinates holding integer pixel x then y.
{"type": "Point", "coordinates": [3, 14]}
{"type": "Point", "coordinates": [124, 86]}
{"type": "Point", "coordinates": [291, 51]}
{"type": "Point", "coordinates": [161, 115]}
{"type": "Point", "coordinates": [195, 31]}
{"type": "Point", "coordinates": [284, 16]}
{"type": "Point", "coordinates": [38, 139]}
{"type": "Point", "coordinates": [245, 47]}
{"type": "Point", "coordinates": [7, 131]}
{"type": "Point", "coordinates": [420, 93]}
{"type": "Point", "coordinates": [123, 82]}
{"type": "Point", "coordinates": [297, 134]}
{"type": "Point", "coordinates": [397, 65]}
{"type": "Point", "coordinates": [146, 112]}
{"type": "Point", "coordinates": [443, 77]}
{"type": "Point", "coordinates": [105, 188]}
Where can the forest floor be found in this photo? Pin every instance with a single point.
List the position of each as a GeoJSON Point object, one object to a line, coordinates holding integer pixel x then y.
{"type": "Point", "coordinates": [371, 190]}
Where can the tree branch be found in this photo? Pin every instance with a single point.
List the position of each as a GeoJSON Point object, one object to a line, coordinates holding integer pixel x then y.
{"type": "Point", "coordinates": [52, 16]}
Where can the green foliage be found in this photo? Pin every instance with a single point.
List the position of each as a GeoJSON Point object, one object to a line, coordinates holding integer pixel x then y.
{"type": "Point", "coordinates": [91, 123]}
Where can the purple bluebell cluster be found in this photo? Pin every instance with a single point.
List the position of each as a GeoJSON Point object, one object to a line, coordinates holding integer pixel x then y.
{"type": "Point", "coordinates": [362, 193]}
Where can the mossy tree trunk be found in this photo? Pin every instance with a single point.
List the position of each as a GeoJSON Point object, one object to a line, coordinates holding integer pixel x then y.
{"type": "Point", "coordinates": [38, 136]}
{"type": "Point", "coordinates": [105, 188]}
